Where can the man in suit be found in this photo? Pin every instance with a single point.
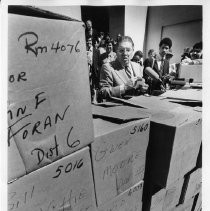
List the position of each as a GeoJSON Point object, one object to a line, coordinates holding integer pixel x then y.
{"type": "Point", "coordinates": [160, 65]}
{"type": "Point", "coordinates": [90, 31]}
{"type": "Point", "coordinates": [93, 57]}
{"type": "Point", "coordinates": [122, 77]}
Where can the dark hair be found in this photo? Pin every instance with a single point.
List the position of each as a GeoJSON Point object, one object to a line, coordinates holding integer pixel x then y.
{"type": "Point", "coordinates": [151, 51]}
{"type": "Point", "coordinates": [198, 45]}
{"type": "Point", "coordinates": [109, 41]}
{"type": "Point", "coordinates": [138, 53]}
{"type": "Point", "coordinates": [89, 37]}
{"type": "Point", "coordinates": [166, 41]}
{"type": "Point", "coordinates": [125, 38]}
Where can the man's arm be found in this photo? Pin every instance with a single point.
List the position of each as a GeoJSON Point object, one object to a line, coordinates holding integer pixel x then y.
{"type": "Point", "coordinates": [107, 82]}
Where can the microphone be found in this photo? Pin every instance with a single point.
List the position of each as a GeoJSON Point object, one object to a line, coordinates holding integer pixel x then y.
{"type": "Point", "coordinates": [150, 72]}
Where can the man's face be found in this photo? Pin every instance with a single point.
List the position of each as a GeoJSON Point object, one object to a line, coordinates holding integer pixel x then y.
{"type": "Point", "coordinates": [152, 55]}
{"type": "Point", "coordinates": [96, 44]}
{"type": "Point", "coordinates": [89, 43]}
{"type": "Point", "coordinates": [196, 54]}
{"type": "Point", "coordinates": [109, 47]}
{"type": "Point", "coordinates": [137, 58]}
{"type": "Point", "coordinates": [163, 50]}
{"type": "Point", "coordinates": [118, 37]}
{"type": "Point", "coordinates": [89, 24]}
{"type": "Point", "coordinates": [124, 52]}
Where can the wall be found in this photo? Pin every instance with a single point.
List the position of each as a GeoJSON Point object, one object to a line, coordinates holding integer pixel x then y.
{"type": "Point", "coordinates": [135, 22]}
{"type": "Point", "coordinates": [116, 20]}
{"type": "Point", "coordinates": [167, 15]}
{"type": "Point", "coordinates": [183, 35]}
{"type": "Point", "coordinates": [71, 11]}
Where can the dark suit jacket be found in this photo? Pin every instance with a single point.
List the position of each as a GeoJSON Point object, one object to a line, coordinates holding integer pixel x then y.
{"type": "Point", "coordinates": [113, 75]}
{"type": "Point", "coordinates": [149, 63]}
{"type": "Point", "coordinates": [155, 85]}
{"type": "Point", "coordinates": [95, 69]}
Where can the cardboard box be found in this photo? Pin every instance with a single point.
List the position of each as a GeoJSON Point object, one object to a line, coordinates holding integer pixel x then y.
{"type": "Point", "coordinates": [190, 71]}
{"type": "Point", "coordinates": [119, 149]}
{"type": "Point", "coordinates": [198, 206]}
{"type": "Point", "coordinates": [173, 194]}
{"type": "Point", "coordinates": [193, 185]}
{"type": "Point", "coordinates": [15, 166]}
{"type": "Point", "coordinates": [49, 111]}
{"type": "Point", "coordinates": [128, 200]}
{"type": "Point", "coordinates": [175, 138]}
{"type": "Point", "coordinates": [66, 184]}
{"type": "Point", "coordinates": [187, 95]}
{"type": "Point", "coordinates": [157, 200]}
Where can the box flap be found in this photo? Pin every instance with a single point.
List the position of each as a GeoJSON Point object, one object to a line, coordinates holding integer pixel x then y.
{"type": "Point", "coordinates": [184, 94]}
{"type": "Point", "coordinates": [161, 111]}
{"type": "Point", "coordinates": [118, 114]}
{"type": "Point", "coordinates": [37, 12]}
{"type": "Point", "coordinates": [150, 102]}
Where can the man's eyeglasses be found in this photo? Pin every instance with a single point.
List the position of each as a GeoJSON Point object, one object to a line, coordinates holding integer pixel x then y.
{"type": "Point", "coordinates": [122, 50]}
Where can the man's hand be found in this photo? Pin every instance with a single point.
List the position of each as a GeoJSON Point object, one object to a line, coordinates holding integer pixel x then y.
{"type": "Point", "coordinates": [140, 85]}
{"type": "Point", "coordinates": [129, 86]}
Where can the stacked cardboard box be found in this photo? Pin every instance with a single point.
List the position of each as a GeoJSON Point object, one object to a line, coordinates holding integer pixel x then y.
{"type": "Point", "coordinates": [65, 184]}
{"type": "Point", "coordinates": [173, 151]}
{"type": "Point", "coordinates": [49, 103]}
{"type": "Point", "coordinates": [49, 113]}
{"type": "Point", "coordinates": [190, 71]}
{"type": "Point", "coordinates": [118, 156]}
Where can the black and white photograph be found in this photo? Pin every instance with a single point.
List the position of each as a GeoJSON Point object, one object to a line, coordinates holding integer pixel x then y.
{"type": "Point", "coordinates": [102, 105]}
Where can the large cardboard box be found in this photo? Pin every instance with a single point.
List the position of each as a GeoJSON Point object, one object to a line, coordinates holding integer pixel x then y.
{"type": "Point", "coordinates": [49, 110]}
{"type": "Point", "coordinates": [119, 149]}
{"type": "Point", "coordinates": [175, 138]}
{"type": "Point", "coordinates": [66, 184]}
{"type": "Point", "coordinates": [190, 71]}
{"type": "Point", "coordinates": [130, 200]}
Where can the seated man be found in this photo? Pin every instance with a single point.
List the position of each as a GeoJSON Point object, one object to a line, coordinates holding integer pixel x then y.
{"type": "Point", "coordinates": [159, 66]}
{"type": "Point", "coordinates": [122, 77]}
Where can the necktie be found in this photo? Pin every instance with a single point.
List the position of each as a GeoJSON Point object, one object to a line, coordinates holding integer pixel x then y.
{"type": "Point", "coordinates": [128, 71]}
{"type": "Point", "coordinates": [161, 65]}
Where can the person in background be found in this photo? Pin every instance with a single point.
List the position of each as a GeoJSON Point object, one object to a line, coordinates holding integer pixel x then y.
{"type": "Point", "coordinates": [93, 67]}
{"type": "Point", "coordinates": [138, 57]}
{"type": "Point", "coordinates": [102, 47]}
{"type": "Point", "coordinates": [116, 42]}
{"type": "Point", "coordinates": [122, 77]}
{"type": "Point", "coordinates": [186, 54]}
{"type": "Point", "coordinates": [195, 55]}
{"type": "Point", "coordinates": [89, 31]}
{"type": "Point", "coordinates": [96, 43]}
{"type": "Point", "coordinates": [107, 37]}
{"type": "Point", "coordinates": [109, 55]}
{"type": "Point", "coordinates": [101, 36]}
{"type": "Point", "coordinates": [151, 58]}
{"type": "Point", "coordinates": [197, 52]}
{"type": "Point", "coordinates": [160, 66]}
